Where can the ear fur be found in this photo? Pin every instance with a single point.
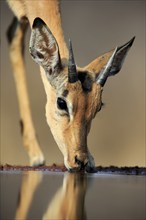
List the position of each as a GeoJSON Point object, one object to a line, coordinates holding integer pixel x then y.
{"type": "Point", "coordinates": [100, 62]}
{"type": "Point", "coordinates": [44, 48]}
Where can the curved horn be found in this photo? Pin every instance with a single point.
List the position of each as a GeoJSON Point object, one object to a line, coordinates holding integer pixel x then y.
{"type": "Point", "coordinates": [102, 77]}
{"type": "Point", "coordinates": [72, 72]}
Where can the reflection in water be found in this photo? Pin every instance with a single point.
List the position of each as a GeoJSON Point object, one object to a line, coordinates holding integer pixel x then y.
{"type": "Point", "coordinates": [30, 182]}
{"type": "Point", "coordinates": [67, 203]}
{"type": "Point", "coordinates": [58, 196]}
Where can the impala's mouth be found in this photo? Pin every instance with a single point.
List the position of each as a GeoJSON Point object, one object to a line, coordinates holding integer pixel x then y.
{"type": "Point", "coordinates": [81, 164]}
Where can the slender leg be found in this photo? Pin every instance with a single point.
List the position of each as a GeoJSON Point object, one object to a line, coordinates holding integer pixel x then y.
{"type": "Point", "coordinates": [15, 36]}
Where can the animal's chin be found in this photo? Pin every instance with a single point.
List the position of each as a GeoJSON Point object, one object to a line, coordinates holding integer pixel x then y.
{"type": "Point", "coordinates": [87, 168]}
{"type": "Point", "coordinates": [86, 165]}
{"type": "Point", "coordinates": [75, 168]}
{"type": "Point", "coordinates": [90, 169]}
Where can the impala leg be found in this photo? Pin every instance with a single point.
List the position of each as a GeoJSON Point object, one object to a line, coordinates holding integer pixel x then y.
{"type": "Point", "coordinates": [15, 36]}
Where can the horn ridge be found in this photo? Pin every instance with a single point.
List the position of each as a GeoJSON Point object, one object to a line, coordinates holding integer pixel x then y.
{"type": "Point", "coordinates": [72, 72]}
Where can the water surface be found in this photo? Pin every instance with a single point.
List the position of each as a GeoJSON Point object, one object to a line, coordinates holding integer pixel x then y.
{"type": "Point", "coordinates": [55, 196]}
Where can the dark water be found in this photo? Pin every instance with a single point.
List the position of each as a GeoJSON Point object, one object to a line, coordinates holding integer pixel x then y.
{"type": "Point", "coordinates": [36, 195]}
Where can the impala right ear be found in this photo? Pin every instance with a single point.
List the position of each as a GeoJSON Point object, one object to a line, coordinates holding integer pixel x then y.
{"type": "Point", "coordinates": [109, 63]}
{"type": "Point", "coordinates": [44, 49]}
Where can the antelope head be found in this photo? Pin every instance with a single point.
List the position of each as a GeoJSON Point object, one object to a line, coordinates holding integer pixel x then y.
{"type": "Point", "coordinates": [74, 95]}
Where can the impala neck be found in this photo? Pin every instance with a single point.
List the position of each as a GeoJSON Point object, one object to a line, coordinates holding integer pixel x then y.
{"type": "Point", "coordinates": [49, 11]}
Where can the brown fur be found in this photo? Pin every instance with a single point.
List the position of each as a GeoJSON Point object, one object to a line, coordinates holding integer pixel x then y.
{"type": "Point", "coordinates": [45, 9]}
{"type": "Point", "coordinates": [96, 65]}
{"type": "Point", "coordinates": [69, 127]}
{"type": "Point", "coordinates": [72, 131]}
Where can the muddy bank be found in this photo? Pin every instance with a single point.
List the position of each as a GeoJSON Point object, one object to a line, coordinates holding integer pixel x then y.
{"type": "Point", "coordinates": [61, 168]}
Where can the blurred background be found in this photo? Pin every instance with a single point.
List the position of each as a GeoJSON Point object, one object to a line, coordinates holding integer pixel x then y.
{"type": "Point", "coordinates": [117, 136]}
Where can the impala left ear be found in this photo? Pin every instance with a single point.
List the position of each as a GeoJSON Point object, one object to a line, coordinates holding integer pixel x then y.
{"type": "Point", "coordinates": [44, 49]}
{"type": "Point", "coordinates": [109, 63]}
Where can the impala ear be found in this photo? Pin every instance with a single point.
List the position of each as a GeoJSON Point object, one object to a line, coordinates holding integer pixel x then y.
{"type": "Point", "coordinates": [44, 48]}
{"type": "Point", "coordinates": [109, 63]}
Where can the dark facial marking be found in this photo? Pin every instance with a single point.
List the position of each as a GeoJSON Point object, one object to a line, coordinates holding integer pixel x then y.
{"type": "Point", "coordinates": [65, 93]}
{"type": "Point", "coordinates": [86, 81]}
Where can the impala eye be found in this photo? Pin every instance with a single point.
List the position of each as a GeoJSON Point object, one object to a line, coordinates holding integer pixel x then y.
{"type": "Point", "coordinates": [61, 104]}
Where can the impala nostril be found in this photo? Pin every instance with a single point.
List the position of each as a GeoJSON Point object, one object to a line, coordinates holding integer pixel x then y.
{"type": "Point", "coordinates": [81, 164]}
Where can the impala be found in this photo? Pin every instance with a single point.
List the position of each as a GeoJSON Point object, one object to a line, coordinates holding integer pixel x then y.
{"type": "Point", "coordinates": [74, 94]}
{"type": "Point", "coordinates": [68, 202]}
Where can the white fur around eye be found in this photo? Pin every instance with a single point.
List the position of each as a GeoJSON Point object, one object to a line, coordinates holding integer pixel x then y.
{"type": "Point", "coordinates": [70, 110]}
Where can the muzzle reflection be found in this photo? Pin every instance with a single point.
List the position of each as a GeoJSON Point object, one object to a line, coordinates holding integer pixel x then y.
{"type": "Point", "coordinates": [66, 203]}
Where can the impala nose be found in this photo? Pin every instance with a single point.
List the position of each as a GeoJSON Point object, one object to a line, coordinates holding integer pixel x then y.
{"type": "Point", "coordinates": [81, 164]}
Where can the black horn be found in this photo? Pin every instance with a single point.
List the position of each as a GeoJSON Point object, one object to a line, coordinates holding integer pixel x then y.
{"type": "Point", "coordinates": [72, 71]}
{"type": "Point", "coordinates": [105, 72]}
